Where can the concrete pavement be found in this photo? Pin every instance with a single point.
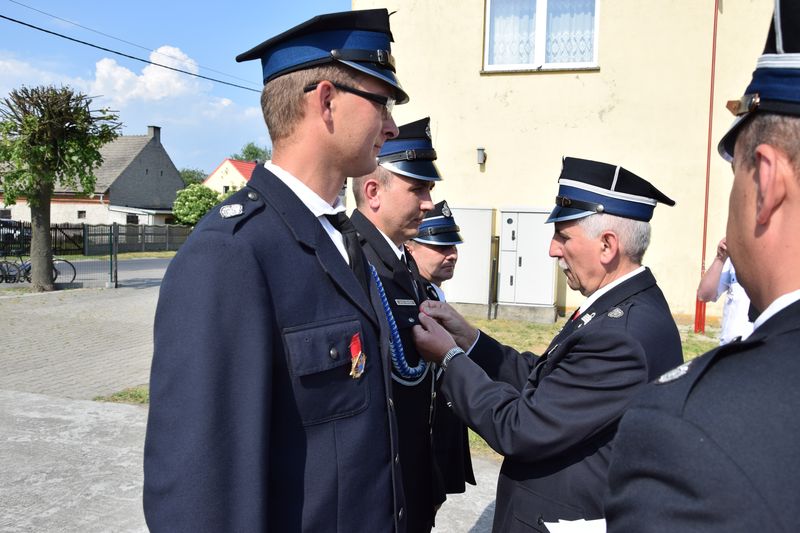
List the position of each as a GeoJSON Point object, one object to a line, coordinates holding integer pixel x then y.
{"type": "Point", "coordinates": [71, 464]}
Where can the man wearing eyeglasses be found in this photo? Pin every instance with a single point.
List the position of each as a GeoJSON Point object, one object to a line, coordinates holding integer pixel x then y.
{"type": "Point", "coordinates": [270, 389]}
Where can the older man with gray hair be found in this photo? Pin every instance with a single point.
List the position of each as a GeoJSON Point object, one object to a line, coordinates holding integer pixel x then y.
{"type": "Point", "coordinates": [553, 416]}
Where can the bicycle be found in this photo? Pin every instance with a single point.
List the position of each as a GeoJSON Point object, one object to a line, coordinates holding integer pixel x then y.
{"type": "Point", "coordinates": [9, 272]}
{"type": "Point", "coordinates": [62, 269]}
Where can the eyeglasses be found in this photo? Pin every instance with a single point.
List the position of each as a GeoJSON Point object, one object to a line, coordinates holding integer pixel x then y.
{"type": "Point", "coordinates": [387, 102]}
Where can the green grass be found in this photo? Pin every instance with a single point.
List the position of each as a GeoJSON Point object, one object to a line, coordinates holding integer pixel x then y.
{"type": "Point", "coordinates": [137, 395]}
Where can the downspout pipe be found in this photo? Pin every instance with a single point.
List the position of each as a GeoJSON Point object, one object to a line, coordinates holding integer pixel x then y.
{"type": "Point", "coordinates": [700, 307]}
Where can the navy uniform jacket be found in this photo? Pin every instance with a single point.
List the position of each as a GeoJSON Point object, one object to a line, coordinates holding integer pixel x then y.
{"type": "Point", "coordinates": [413, 403]}
{"type": "Point", "coordinates": [553, 417]}
{"type": "Point", "coordinates": [716, 449]}
{"type": "Point", "coordinates": [255, 423]}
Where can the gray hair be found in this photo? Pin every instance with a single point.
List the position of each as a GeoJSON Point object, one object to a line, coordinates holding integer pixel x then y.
{"type": "Point", "coordinates": [633, 235]}
{"type": "Point", "coordinates": [780, 131]}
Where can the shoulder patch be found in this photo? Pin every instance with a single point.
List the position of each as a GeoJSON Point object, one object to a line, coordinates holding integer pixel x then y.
{"type": "Point", "coordinates": [616, 313]}
{"type": "Point", "coordinates": [675, 373]}
{"type": "Point", "coordinates": [231, 210]}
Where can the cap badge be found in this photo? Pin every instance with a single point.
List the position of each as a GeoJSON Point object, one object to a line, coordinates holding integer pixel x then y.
{"type": "Point", "coordinates": [428, 131]}
{"type": "Point", "coordinates": [616, 313]}
{"type": "Point", "coordinates": [675, 373]}
{"type": "Point", "coordinates": [446, 210]}
{"type": "Point", "coordinates": [231, 210]}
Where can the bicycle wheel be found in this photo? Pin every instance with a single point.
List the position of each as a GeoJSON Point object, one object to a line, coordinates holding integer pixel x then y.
{"type": "Point", "coordinates": [63, 270]}
{"type": "Point", "coordinates": [9, 272]}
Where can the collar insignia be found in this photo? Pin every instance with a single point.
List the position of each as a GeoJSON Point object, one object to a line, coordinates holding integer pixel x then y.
{"type": "Point", "coordinates": [231, 210]}
{"type": "Point", "coordinates": [585, 319]}
{"type": "Point", "coordinates": [675, 373]}
{"type": "Point", "coordinates": [616, 313]}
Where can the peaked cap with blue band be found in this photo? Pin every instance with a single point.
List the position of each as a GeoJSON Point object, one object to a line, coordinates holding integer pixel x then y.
{"type": "Point", "coordinates": [775, 86]}
{"type": "Point", "coordinates": [588, 187]}
{"type": "Point", "coordinates": [439, 227]}
{"type": "Point", "coordinates": [358, 39]}
{"type": "Point", "coordinates": [411, 153]}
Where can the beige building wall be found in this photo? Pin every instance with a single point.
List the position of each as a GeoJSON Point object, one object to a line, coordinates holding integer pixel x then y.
{"type": "Point", "coordinates": [645, 107]}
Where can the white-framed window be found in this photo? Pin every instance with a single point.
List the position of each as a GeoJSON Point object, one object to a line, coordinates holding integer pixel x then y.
{"type": "Point", "coordinates": [540, 35]}
{"type": "Point", "coordinates": [81, 214]}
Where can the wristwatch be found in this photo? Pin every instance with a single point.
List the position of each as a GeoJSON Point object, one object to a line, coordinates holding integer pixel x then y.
{"type": "Point", "coordinates": [451, 353]}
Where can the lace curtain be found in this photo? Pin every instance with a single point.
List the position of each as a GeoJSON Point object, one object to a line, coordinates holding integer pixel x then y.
{"type": "Point", "coordinates": [570, 31]}
{"type": "Point", "coordinates": [512, 31]}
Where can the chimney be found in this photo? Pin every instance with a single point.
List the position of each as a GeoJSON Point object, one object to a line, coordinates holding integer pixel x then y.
{"type": "Point", "coordinates": [154, 132]}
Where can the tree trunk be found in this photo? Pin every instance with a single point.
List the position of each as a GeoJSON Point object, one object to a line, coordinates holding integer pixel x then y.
{"type": "Point", "coordinates": [41, 242]}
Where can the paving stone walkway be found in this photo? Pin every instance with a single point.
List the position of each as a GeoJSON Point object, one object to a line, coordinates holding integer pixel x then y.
{"type": "Point", "coordinates": [69, 464]}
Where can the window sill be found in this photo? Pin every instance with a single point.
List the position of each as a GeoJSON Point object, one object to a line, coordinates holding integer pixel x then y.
{"type": "Point", "coordinates": [541, 70]}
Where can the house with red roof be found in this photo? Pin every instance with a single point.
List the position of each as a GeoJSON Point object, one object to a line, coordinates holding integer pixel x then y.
{"type": "Point", "coordinates": [230, 175]}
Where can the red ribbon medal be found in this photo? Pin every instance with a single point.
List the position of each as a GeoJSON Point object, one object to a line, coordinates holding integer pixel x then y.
{"type": "Point", "coordinates": [357, 357]}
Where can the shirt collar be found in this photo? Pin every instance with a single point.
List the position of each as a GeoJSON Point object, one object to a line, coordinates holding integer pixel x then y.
{"type": "Point", "coordinates": [399, 252]}
{"type": "Point", "coordinates": [314, 202]}
{"type": "Point", "coordinates": [601, 291]}
{"type": "Point", "coordinates": [777, 305]}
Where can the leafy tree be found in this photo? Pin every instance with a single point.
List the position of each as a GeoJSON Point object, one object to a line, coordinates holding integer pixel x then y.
{"type": "Point", "coordinates": [193, 202]}
{"type": "Point", "coordinates": [49, 136]}
{"type": "Point", "coordinates": [192, 175]}
{"type": "Point", "coordinates": [252, 152]}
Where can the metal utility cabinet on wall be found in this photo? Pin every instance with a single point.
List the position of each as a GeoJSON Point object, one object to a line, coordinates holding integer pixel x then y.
{"type": "Point", "coordinates": [526, 273]}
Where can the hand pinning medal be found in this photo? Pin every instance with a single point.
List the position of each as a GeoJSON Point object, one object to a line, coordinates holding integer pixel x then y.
{"type": "Point", "coordinates": [357, 357]}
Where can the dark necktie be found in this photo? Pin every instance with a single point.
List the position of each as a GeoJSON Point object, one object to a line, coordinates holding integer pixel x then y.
{"type": "Point", "coordinates": [341, 222]}
{"type": "Point", "coordinates": [404, 260]}
{"type": "Point", "coordinates": [431, 292]}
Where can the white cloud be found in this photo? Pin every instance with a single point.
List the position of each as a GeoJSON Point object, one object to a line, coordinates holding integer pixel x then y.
{"type": "Point", "coordinates": [17, 73]}
{"type": "Point", "coordinates": [198, 127]}
{"type": "Point", "coordinates": [121, 85]}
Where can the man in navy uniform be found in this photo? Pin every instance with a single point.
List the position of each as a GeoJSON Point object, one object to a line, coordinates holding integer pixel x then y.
{"type": "Point", "coordinates": [434, 249]}
{"type": "Point", "coordinates": [391, 202]}
{"type": "Point", "coordinates": [554, 416]}
{"type": "Point", "coordinates": [712, 446]}
{"type": "Point", "coordinates": [435, 253]}
{"type": "Point", "coordinates": [270, 406]}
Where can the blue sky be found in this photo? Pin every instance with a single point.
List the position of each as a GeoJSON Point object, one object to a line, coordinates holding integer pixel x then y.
{"type": "Point", "coordinates": [201, 122]}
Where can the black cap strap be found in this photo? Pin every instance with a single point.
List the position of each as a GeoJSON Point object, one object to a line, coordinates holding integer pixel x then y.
{"type": "Point", "coordinates": [430, 232]}
{"type": "Point", "coordinates": [380, 57]}
{"type": "Point", "coordinates": [409, 155]}
{"type": "Point", "coordinates": [563, 201]}
{"type": "Point", "coordinates": [753, 102]}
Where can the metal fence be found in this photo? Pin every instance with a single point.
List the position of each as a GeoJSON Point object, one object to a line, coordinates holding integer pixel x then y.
{"type": "Point", "coordinates": [91, 249]}
{"type": "Point", "coordinates": [93, 239]}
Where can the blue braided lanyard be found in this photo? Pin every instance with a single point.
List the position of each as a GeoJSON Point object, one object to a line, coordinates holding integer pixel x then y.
{"type": "Point", "coordinates": [410, 376]}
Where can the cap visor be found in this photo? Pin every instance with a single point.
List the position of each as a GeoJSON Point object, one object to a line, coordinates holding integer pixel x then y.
{"type": "Point", "coordinates": [563, 214]}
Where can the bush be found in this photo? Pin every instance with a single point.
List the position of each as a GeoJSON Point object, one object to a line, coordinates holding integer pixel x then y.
{"type": "Point", "coordinates": [193, 202]}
